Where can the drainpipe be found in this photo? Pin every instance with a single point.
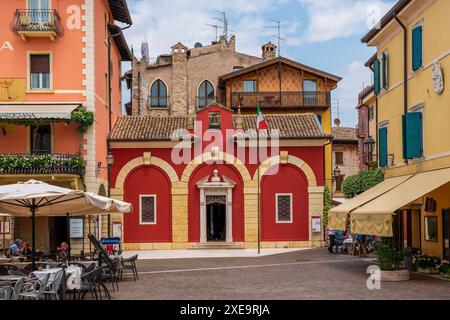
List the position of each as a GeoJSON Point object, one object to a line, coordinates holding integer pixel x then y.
{"type": "Point", "coordinates": [108, 148]}
{"type": "Point", "coordinates": [405, 64]}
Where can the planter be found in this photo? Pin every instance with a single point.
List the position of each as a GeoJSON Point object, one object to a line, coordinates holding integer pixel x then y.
{"type": "Point", "coordinates": [395, 276]}
{"type": "Point", "coordinates": [428, 270]}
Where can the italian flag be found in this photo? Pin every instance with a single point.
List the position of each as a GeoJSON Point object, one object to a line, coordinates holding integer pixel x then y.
{"type": "Point", "coordinates": [261, 123]}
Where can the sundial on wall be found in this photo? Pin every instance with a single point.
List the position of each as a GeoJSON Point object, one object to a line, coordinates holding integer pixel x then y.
{"type": "Point", "coordinates": [12, 90]}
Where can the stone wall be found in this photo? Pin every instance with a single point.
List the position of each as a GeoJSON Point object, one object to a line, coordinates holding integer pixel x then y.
{"type": "Point", "coordinates": [184, 75]}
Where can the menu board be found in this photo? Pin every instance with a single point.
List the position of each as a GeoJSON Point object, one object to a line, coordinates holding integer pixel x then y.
{"type": "Point", "coordinates": [77, 228]}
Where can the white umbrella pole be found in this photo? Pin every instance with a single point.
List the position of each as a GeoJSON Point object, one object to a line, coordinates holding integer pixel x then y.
{"type": "Point", "coordinates": [4, 235]}
{"type": "Point", "coordinates": [33, 235]}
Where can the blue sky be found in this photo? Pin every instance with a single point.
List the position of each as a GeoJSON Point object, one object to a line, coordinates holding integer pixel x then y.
{"type": "Point", "coordinates": [324, 34]}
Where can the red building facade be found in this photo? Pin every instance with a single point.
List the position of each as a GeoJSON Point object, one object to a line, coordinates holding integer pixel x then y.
{"type": "Point", "coordinates": [193, 180]}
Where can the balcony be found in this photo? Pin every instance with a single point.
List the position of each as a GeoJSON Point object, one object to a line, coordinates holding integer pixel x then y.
{"type": "Point", "coordinates": [36, 164]}
{"type": "Point", "coordinates": [37, 23]}
{"type": "Point", "coordinates": [284, 99]}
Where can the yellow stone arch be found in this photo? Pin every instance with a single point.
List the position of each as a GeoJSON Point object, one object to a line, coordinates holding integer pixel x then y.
{"type": "Point", "coordinates": [138, 162]}
{"type": "Point", "coordinates": [221, 156]}
{"type": "Point", "coordinates": [293, 160]}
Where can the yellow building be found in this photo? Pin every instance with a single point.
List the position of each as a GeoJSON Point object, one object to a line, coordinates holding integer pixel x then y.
{"type": "Point", "coordinates": [413, 135]}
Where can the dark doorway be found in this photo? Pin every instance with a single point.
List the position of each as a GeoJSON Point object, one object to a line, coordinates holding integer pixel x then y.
{"type": "Point", "coordinates": [446, 233]}
{"type": "Point", "coordinates": [216, 221]}
{"type": "Point", "coordinates": [57, 232]}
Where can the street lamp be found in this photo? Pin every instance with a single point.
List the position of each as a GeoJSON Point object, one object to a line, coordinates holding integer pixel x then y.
{"type": "Point", "coordinates": [336, 173]}
{"type": "Point", "coordinates": [369, 146]}
{"type": "Point", "coordinates": [110, 159]}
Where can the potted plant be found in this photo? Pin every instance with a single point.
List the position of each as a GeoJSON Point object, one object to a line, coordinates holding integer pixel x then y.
{"type": "Point", "coordinates": [389, 261]}
{"type": "Point", "coordinates": [444, 268]}
{"type": "Point", "coordinates": [427, 264]}
{"type": "Point", "coordinates": [408, 258]}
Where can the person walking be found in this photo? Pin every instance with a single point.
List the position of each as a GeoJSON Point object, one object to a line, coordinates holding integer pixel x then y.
{"type": "Point", "coordinates": [332, 239]}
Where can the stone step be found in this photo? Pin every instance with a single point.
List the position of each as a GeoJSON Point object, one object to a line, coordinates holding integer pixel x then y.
{"type": "Point", "coordinates": [216, 246]}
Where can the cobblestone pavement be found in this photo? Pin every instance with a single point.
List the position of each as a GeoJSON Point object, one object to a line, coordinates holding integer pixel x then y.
{"type": "Point", "coordinates": [312, 274]}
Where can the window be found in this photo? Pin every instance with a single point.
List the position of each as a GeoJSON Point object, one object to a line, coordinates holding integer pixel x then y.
{"type": "Point", "coordinates": [249, 85]}
{"type": "Point", "coordinates": [284, 208]}
{"type": "Point", "coordinates": [412, 135]}
{"type": "Point", "coordinates": [40, 139]}
{"type": "Point", "coordinates": [339, 156]}
{"type": "Point", "coordinates": [310, 92]}
{"type": "Point", "coordinates": [371, 113]}
{"type": "Point", "coordinates": [39, 71]}
{"type": "Point", "coordinates": [319, 117]}
{"type": "Point", "coordinates": [147, 211]}
{"type": "Point", "coordinates": [339, 182]}
{"type": "Point", "coordinates": [39, 10]}
{"type": "Point", "coordinates": [158, 92]}
{"type": "Point", "coordinates": [383, 145]}
{"type": "Point", "coordinates": [417, 44]}
{"type": "Point", "coordinates": [214, 120]}
{"type": "Point", "coordinates": [431, 228]}
{"type": "Point", "coordinates": [106, 31]}
{"type": "Point", "coordinates": [237, 68]}
{"type": "Point", "coordinates": [205, 94]}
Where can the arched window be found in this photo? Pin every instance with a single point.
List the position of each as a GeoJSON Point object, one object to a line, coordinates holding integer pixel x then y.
{"type": "Point", "coordinates": [205, 94]}
{"type": "Point", "coordinates": [158, 95]}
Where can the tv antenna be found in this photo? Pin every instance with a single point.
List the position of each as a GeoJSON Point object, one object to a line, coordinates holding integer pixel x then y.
{"type": "Point", "coordinates": [216, 27]}
{"type": "Point", "coordinates": [224, 20]}
{"type": "Point", "coordinates": [278, 35]}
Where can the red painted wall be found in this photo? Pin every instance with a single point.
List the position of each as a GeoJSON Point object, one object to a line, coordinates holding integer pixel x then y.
{"type": "Point", "coordinates": [148, 181]}
{"type": "Point", "coordinates": [288, 180]}
{"type": "Point", "coordinates": [194, 200]}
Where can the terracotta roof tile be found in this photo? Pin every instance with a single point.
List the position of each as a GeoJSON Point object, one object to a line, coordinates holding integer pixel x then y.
{"type": "Point", "coordinates": [343, 133]}
{"type": "Point", "coordinates": [145, 128]}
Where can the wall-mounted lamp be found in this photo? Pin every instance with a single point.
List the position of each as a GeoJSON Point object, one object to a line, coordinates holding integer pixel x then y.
{"type": "Point", "coordinates": [336, 173]}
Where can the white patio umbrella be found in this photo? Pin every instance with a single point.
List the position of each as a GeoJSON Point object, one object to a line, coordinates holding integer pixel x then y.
{"type": "Point", "coordinates": [38, 199]}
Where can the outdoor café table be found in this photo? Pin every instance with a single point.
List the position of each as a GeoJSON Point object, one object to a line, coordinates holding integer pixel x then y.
{"type": "Point", "coordinates": [87, 264]}
{"type": "Point", "coordinates": [10, 279]}
{"type": "Point", "coordinates": [41, 274]}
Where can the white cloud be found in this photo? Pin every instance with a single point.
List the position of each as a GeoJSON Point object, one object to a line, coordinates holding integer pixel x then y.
{"type": "Point", "coordinates": [332, 19]}
{"type": "Point", "coordinates": [164, 23]}
{"type": "Point", "coordinates": [356, 77]}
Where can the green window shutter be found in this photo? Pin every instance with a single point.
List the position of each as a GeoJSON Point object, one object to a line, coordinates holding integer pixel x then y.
{"type": "Point", "coordinates": [417, 51]}
{"type": "Point", "coordinates": [383, 146]}
{"type": "Point", "coordinates": [384, 75]}
{"type": "Point", "coordinates": [412, 135]}
{"type": "Point", "coordinates": [376, 76]}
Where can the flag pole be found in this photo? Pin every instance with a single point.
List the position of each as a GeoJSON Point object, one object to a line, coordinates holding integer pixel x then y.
{"type": "Point", "coordinates": [258, 191]}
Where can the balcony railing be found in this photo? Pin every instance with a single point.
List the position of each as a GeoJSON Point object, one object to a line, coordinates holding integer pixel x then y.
{"type": "Point", "coordinates": [40, 163]}
{"type": "Point", "coordinates": [32, 23]}
{"type": "Point", "coordinates": [290, 99]}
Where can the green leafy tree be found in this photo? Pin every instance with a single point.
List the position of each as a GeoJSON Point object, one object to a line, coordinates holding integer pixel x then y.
{"type": "Point", "coordinates": [362, 182]}
{"type": "Point", "coordinates": [327, 203]}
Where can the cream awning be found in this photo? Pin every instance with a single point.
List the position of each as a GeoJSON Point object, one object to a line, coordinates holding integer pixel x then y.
{"type": "Point", "coordinates": [375, 217]}
{"type": "Point", "coordinates": [27, 111]}
{"type": "Point", "coordinates": [338, 215]}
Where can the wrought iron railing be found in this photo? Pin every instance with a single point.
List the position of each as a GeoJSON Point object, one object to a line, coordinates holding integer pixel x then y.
{"type": "Point", "coordinates": [37, 21]}
{"type": "Point", "coordinates": [40, 163]}
{"type": "Point", "coordinates": [281, 99]}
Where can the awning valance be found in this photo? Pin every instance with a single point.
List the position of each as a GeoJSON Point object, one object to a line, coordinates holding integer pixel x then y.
{"type": "Point", "coordinates": [338, 215]}
{"type": "Point", "coordinates": [30, 111]}
{"type": "Point", "coordinates": [375, 217]}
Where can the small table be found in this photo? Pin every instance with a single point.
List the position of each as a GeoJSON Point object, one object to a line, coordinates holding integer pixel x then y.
{"type": "Point", "coordinates": [10, 279]}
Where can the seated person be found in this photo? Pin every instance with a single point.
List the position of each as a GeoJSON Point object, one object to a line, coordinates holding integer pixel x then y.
{"type": "Point", "coordinates": [63, 251]}
{"type": "Point", "coordinates": [14, 249]}
{"type": "Point", "coordinates": [25, 250]}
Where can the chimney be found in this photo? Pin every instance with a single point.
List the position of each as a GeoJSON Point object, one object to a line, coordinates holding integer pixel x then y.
{"type": "Point", "coordinates": [179, 82]}
{"type": "Point", "coordinates": [269, 51]}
